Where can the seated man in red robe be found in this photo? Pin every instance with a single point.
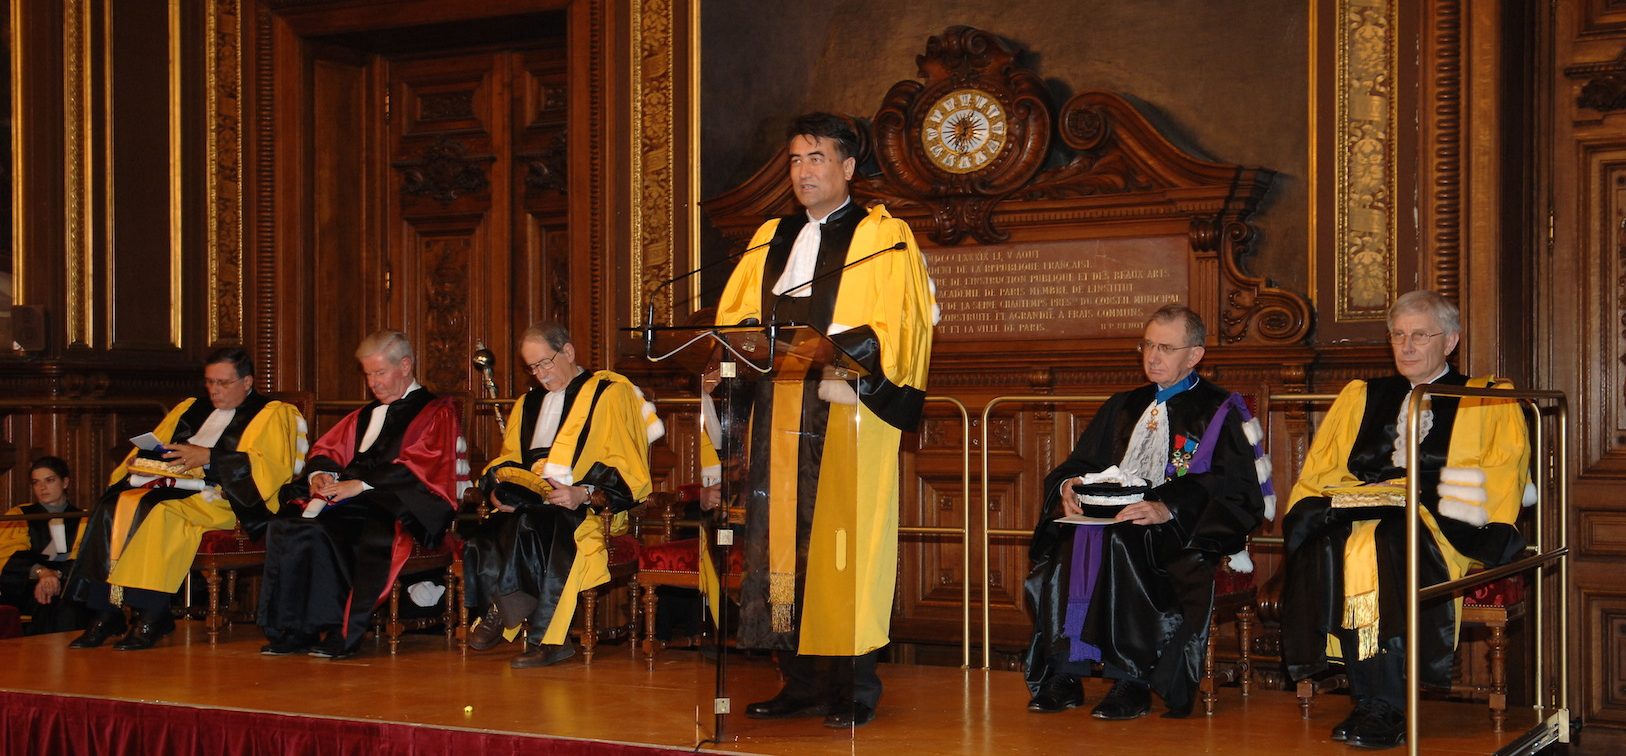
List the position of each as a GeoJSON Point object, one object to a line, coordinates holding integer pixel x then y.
{"type": "Point", "coordinates": [387, 469]}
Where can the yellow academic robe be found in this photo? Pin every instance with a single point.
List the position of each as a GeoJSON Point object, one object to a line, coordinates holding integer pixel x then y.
{"type": "Point", "coordinates": [160, 551]}
{"type": "Point", "coordinates": [14, 536]}
{"type": "Point", "coordinates": [623, 426]}
{"type": "Point", "coordinates": [1488, 435]}
{"type": "Point", "coordinates": [853, 547]}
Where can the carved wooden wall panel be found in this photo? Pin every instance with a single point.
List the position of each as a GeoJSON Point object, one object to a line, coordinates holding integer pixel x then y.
{"type": "Point", "coordinates": [1581, 294]}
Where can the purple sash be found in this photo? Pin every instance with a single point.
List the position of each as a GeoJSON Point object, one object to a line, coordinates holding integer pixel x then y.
{"type": "Point", "coordinates": [1087, 540]}
{"type": "Point", "coordinates": [1080, 589]}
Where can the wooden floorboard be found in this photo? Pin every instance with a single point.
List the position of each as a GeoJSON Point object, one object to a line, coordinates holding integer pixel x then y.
{"type": "Point", "coordinates": [924, 709]}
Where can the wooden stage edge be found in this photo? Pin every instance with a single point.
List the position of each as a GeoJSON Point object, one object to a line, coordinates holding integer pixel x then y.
{"type": "Point", "coordinates": [618, 701]}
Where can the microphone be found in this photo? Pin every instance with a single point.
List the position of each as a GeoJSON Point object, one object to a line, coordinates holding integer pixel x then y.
{"type": "Point", "coordinates": [649, 316]}
{"type": "Point", "coordinates": [773, 320]}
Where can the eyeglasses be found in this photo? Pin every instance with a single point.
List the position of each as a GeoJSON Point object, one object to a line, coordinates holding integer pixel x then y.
{"type": "Point", "coordinates": [1163, 349]}
{"type": "Point", "coordinates": [212, 383]}
{"type": "Point", "coordinates": [1416, 338]}
{"type": "Point", "coordinates": [546, 363]}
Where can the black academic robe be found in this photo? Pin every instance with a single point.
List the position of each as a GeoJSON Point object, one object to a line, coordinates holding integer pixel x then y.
{"type": "Point", "coordinates": [1149, 615]}
{"type": "Point", "coordinates": [327, 573]}
{"type": "Point", "coordinates": [1315, 532]}
{"type": "Point", "coordinates": [522, 559]}
{"type": "Point", "coordinates": [17, 588]}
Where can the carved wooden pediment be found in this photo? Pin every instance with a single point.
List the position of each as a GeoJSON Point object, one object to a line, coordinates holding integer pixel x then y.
{"type": "Point", "coordinates": [973, 132]}
{"type": "Point", "coordinates": [1605, 87]}
{"type": "Point", "coordinates": [1113, 176]}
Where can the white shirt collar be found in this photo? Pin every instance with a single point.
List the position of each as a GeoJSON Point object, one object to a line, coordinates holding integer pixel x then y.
{"type": "Point", "coordinates": [414, 387]}
{"type": "Point", "coordinates": [820, 221]}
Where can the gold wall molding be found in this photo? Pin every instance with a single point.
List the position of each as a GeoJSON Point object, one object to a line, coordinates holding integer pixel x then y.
{"type": "Point", "coordinates": [1364, 181]}
{"type": "Point", "coordinates": [223, 45]}
{"type": "Point", "coordinates": [77, 159]}
{"type": "Point", "coordinates": [652, 155]}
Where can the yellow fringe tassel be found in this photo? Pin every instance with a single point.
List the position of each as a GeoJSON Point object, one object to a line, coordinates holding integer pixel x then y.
{"type": "Point", "coordinates": [1361, 615]}
{"type": "Point", "coordinates": [782, 598]}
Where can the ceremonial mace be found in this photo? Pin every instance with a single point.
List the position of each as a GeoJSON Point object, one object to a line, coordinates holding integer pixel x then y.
{"type": "Point", "coordinates": [483, 361]}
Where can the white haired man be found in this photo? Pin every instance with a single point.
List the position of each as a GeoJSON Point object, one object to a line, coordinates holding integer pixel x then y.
{"type": "Point", "coordinates": [1345, 530]}
{"type": "Point", "coordinates": [386, 470]}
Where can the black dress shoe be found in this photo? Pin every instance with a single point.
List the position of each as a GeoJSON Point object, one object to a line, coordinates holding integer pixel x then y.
{"type": "Point", "coordinates": [783, 706]}
{"type": "Point", "coordinates": [855, 714]}
{"type": "Point", "coordinates": [285, 647]}
{"type": "Point", "coordinates": [1340, 731]}
{"type": "Point", "coordinates": [332, 648]}
{"type": "Point", "coordinates": [1057, 693]}
{"type": "Point", "coordinates": [1384, 726]}
{"type": "Point", "coordinates": [106, 625]}
{"type": "Point", "coordinates": [536, 655]}
{"type": "Point", "coordinates": [146, 632]}
{"type": "Point", "coordinates": [1129, 699]}
{"type": "Point", "coordinates": [487, 631]}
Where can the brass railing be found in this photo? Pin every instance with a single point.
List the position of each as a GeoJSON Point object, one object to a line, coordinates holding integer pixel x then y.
{"type": "Point", "coordinates": [963, 531]}
{"type": "Point", "coordinates": [1555, 726]}
{"type": "Point", "coordinates": [987, 411]}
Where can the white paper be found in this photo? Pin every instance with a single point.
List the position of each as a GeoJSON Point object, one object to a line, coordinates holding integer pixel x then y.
{"type": "Point", "coordinates": [1079, 519]}
{"type": "Point", "coordinates": [147, 442]}
{"type": "Point", "coordinates": [313, 508]}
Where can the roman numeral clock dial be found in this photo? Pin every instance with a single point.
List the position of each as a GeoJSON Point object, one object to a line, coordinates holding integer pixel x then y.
{"type": "Point", "coordinates": [965, 131]}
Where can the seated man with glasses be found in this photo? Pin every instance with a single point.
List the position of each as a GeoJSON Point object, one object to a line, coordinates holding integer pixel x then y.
{"type": "Point", "coordinates": [212, 464]}
{"type": "Point", "coordinates": [1134, 592]}
{"type": "Point", "coordinates": [577, 441]}
{"type": "Point", "coordinates": [1345, 529]}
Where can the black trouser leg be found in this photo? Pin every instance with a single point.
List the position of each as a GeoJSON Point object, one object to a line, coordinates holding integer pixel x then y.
{"type": "Point", "coordinates": [801, 677]}
{"type": "Point", "coordinates": [864, 683]}
{"type": "Point", "coordinates": [371, 552]}
{"type": "Point", "coordinates": [836, 680]}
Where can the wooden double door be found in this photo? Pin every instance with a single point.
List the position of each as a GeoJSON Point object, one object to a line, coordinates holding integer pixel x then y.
{"type": "Point", "coordinates": [438, 205]}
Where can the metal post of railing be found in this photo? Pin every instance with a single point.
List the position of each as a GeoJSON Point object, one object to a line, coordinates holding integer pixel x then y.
{"type": "Point", "coordinates": [965, 527]}
{"type": "Point", "coordinates": [1540, 561]}
{"type": "Point", "coordinates": [1414, 417]}
{"type": "Point", "coordinates": [987, 411]}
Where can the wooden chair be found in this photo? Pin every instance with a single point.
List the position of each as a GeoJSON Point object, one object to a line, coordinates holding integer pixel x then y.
{"type": "Point", "coordinates": [420, 559]}
{"type": "Point", "coordinates": [228, 552]}
{"type": "Point", "coordinates": [675, 563]}
{"type": "Point", "coordinates": [1492, 605]}
{"type": "Point", "coordinates": [11, 621]}
{"type": "Point", "coordinates": [1234, 598]}
{"type": "Point", "coordinates": [624, 559]}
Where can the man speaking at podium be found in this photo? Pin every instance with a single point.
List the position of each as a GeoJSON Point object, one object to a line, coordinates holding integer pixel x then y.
{"type": "Point", "coordinates": [821, 530]}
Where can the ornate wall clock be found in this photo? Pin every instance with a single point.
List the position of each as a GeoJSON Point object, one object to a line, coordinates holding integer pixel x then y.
{"type": "Point", "coordinates": [965, 130]}
{"type": "Point", "coordinates": [975, 130]}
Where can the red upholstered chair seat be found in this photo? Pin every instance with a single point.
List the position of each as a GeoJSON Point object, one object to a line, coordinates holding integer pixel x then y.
{"type": "Point", "coordinates": [228, 542]}
{"type": "Point", "coordinates": [1231, 581]}
{"type": "Point", "coordinates": [11, 621]}
{"type": "Point", "coordinates": [684, 556]}
{"type": "Point", "coordinates": [625, 550]}
{"type": "Point", "coordinates": [1508, 591]}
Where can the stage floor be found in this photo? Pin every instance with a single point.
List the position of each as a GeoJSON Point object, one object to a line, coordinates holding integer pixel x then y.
{"type": "Point", "coordinates": [621, 700]}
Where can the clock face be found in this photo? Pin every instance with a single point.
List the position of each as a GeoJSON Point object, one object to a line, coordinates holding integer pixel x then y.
{"type": "Point", "coordinates": [964, 131]}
